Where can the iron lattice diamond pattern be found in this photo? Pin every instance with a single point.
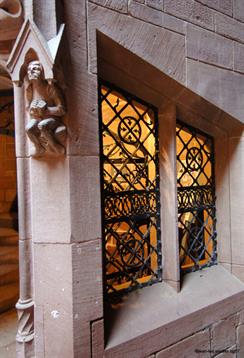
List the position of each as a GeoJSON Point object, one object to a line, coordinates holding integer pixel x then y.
{"type": "Point", "coordinates": [196, 198]}
{"type": "Point", "coordinates": [130, 191]}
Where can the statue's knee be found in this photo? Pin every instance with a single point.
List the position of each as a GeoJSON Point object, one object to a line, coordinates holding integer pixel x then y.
{"type": "Point", "coordinates": [31, 129]}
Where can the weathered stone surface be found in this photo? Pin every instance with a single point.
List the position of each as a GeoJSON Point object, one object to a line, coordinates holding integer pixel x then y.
{"type": "Point", "coordinates": [118, 5]}
{"type": "Point", "coordinates": [85, 199]}
{"type": "Point", "coordinates": [145, 13]}
{"type": "Point", "coordinates": [188, 347]}
{"type": "Point", "coordinates": [209, 47]}
{"type": "Point", "coordinates": [231, 352]}
{"type": "Point", "coordinates": [223, 88]}
{"type": "Point", "coordinates": [236, 192]}
{"type": "Point", "coordinates": [87, 291]}
{"type": "Point", "coordinates": [97, 338]}
{"type": "Point", "coordinates": [81, 91]}
{"type": "Point", "coordinates": [241, 317]}
{"type": "Point", "coordinates": [49, 199]}
{"type": "Point", "coordinates": [238, 271]}
{"type": "Point", "coordinates": [238, 57]}
{"type": "Point", "coordinates": [238, 9]}
{"type": "Point", "coordinates": [229, 27]}
{"type": "Point", "coordinates": [224, 333]}
{"type": "Point", "coordinates": [174, 24]}
{"type": "Point", "coordinates": [161, 48]}
{"type": "Point", "coordinates": [224, 6]}
{"type": "Point", "coordinates": [53, 278]}
{"type": "Point", "coordinates": [222, 198]}
{"type": "Point", "coordinates": [240, 340]}
{"type": "Point", "coordinates": [167, 153]}
{"type": "Point", "coordinates": [157, 4]}
{"type": "Point", "coordinates": [207, 295]}
{"type": "Point", "coordinates": [191, 11]}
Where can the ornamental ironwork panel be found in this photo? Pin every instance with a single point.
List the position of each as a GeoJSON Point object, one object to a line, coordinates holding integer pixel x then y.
{"type": "Point", "coordinates": [196, 198]}
{"type": "Point", "coordinates": [130, 191]}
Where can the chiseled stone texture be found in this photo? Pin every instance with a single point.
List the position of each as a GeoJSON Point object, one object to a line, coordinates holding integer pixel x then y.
{"type": "Point", "coordinates": [238, 57]}
{"type": "Point", "coordinates": [162, 48]}
{"type": "Point", "coordinates": [229, 27]}
{"type": "Point", "coordinates": [85, 202]}
{"type": "Point", "coordinates": [187, 347]}
{"type": "Point", "coordinates": [191, 11]}
{"type": "Point", "coordinates": [239, 9]}
{"type": "Point", "coordinates": [50, 200]}
{"type": "Point", "coordinates": [157, 4]}
{"type": "Point", "coordinates": [240, 340]}
{"type": "Point", "coordinates": [209, 47]}
{"type": "Point", "coordinates": [237, 205]}
{"type": "Point", "coordinates": [221, 87]}
{"type": "Point", "coordinates": [118, 5]}
{"type": "Point", "coordinates": [223, 333]}
{"type": "Point", "coordinates": [145, 13]}
{"type": "Point", "coordinates": [224, 6]}
{"type": "Point", "coordinates": [87, 292]}
{"type": "Point", "coordinates": [53, 299]}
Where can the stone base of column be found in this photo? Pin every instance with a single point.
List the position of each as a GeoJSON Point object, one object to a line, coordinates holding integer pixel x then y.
{"type": "Point", "coordinates": [25, 333]}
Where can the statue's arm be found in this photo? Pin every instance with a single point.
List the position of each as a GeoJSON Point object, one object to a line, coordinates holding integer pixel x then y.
{"type": "Point", "coordinates": [58, 110]}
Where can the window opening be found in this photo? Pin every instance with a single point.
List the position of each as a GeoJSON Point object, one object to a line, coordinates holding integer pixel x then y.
{"type": "Point", "coordinates": [130, 191]}
{"type": "Point", "coordinates": [196, 198]}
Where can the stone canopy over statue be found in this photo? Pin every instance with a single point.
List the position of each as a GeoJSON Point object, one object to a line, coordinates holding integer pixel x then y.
{"type": "Point", "coordinates": [45, 106]}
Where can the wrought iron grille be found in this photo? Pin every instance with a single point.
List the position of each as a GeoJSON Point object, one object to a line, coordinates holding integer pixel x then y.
{"type": "Point", "coordinates": [130, 191]}
{"type": "Point", "coordinates": [196, 198]}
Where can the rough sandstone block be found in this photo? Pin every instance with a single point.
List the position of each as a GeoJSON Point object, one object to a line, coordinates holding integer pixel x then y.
{"type": "Point", "coordinates": [238, 9]}
{"type": "Point", "coordinates": [157, 4]}
{"type": "Point", "coordinates": [240, 340]}
{"type": "Point", "coordinates": [191, 11]}
{"type": "Point", "coordinates": [221, 87]}
{"type": "Point", "coordinates": [229, 27]}
{"type": "Point", "coordinates": [85, 202]}
{"type": "Point", "coordinates": [238, 57]}
{"type": "Point", "coordinates": [209, 47]}
{"type": "Point", "coordinates": [53, 278]}
{"type": "Point", "coordinates": [118, 5]}
{"type": "Point", "coordinates": [188, 347]}
{"type": "Point", "coordinates": [237, 205]}
{"type": "Point", "coordinates": [224, 6]}
{"type": "Point", "coordinates": [145, 13]}
{"type": "Point", "coordinates": [161, 48]}
{"type": "Point", "coordinates": [223, 333]}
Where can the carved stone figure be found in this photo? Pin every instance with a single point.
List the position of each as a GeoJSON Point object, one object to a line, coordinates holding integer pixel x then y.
{"type": "Point", "coordinates": [46, 108]}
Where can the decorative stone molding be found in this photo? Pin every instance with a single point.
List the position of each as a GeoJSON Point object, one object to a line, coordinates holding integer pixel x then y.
{"type": "Point", "coordinates": [32, 63]}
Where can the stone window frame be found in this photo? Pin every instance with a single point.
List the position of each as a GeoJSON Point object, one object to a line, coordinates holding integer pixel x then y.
{"type": "Point", "coordinates": [173, 101]}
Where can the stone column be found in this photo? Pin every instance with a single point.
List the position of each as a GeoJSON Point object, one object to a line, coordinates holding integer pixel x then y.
{"type": "Point", "coordinates": [25, 304]}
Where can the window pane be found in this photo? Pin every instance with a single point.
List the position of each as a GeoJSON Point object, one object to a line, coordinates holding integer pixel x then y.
{"type": "Point", "coordinates": [196, 198]}
{"type": "Point", "coordinates": [130, 191]}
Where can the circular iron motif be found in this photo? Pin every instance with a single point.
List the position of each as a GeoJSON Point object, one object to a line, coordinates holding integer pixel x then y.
{"type": "Point", "coordinates": [131, 253]}
{"type": "Point", "coordinates": [129, 130]}
{"type": "Point", "coordinates": [194, 158]}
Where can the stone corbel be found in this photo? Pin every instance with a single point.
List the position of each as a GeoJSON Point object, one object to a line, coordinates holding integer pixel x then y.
{"type": "Point", "coordinates": [32, 64]}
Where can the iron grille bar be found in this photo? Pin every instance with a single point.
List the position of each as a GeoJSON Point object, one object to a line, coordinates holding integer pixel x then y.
{"type": "Point", "coordinates": [196, 198]}
{"type": "Point", "coordinates": [130, 191]}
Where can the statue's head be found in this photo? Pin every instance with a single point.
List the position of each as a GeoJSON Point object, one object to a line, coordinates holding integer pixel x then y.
{"type": "Point", "coordinates": [35, 70]}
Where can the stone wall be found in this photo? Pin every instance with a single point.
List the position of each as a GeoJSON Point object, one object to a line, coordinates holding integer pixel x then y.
{"type": "Point", "coordinates": [199, 45]}
{"type": "Point", "coordinates": [221, 340]}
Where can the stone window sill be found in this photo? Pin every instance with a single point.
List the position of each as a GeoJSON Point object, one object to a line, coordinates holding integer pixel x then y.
{"type": "Point", "coordinates": [158, 316]}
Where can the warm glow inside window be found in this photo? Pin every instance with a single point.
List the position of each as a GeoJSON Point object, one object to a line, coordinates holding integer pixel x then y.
{"type": "Point", "coordinates": [196, 198]}
{"type": "Point", "coordinates": [130, 191]}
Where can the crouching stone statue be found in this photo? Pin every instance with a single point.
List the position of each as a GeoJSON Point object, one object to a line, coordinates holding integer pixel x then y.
{"type": "Point", "coordinates": [45, 106]}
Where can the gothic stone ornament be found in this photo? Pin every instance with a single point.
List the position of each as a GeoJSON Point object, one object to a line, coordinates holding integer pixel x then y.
{"type": "Point", "coordinates": [45, 106]}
